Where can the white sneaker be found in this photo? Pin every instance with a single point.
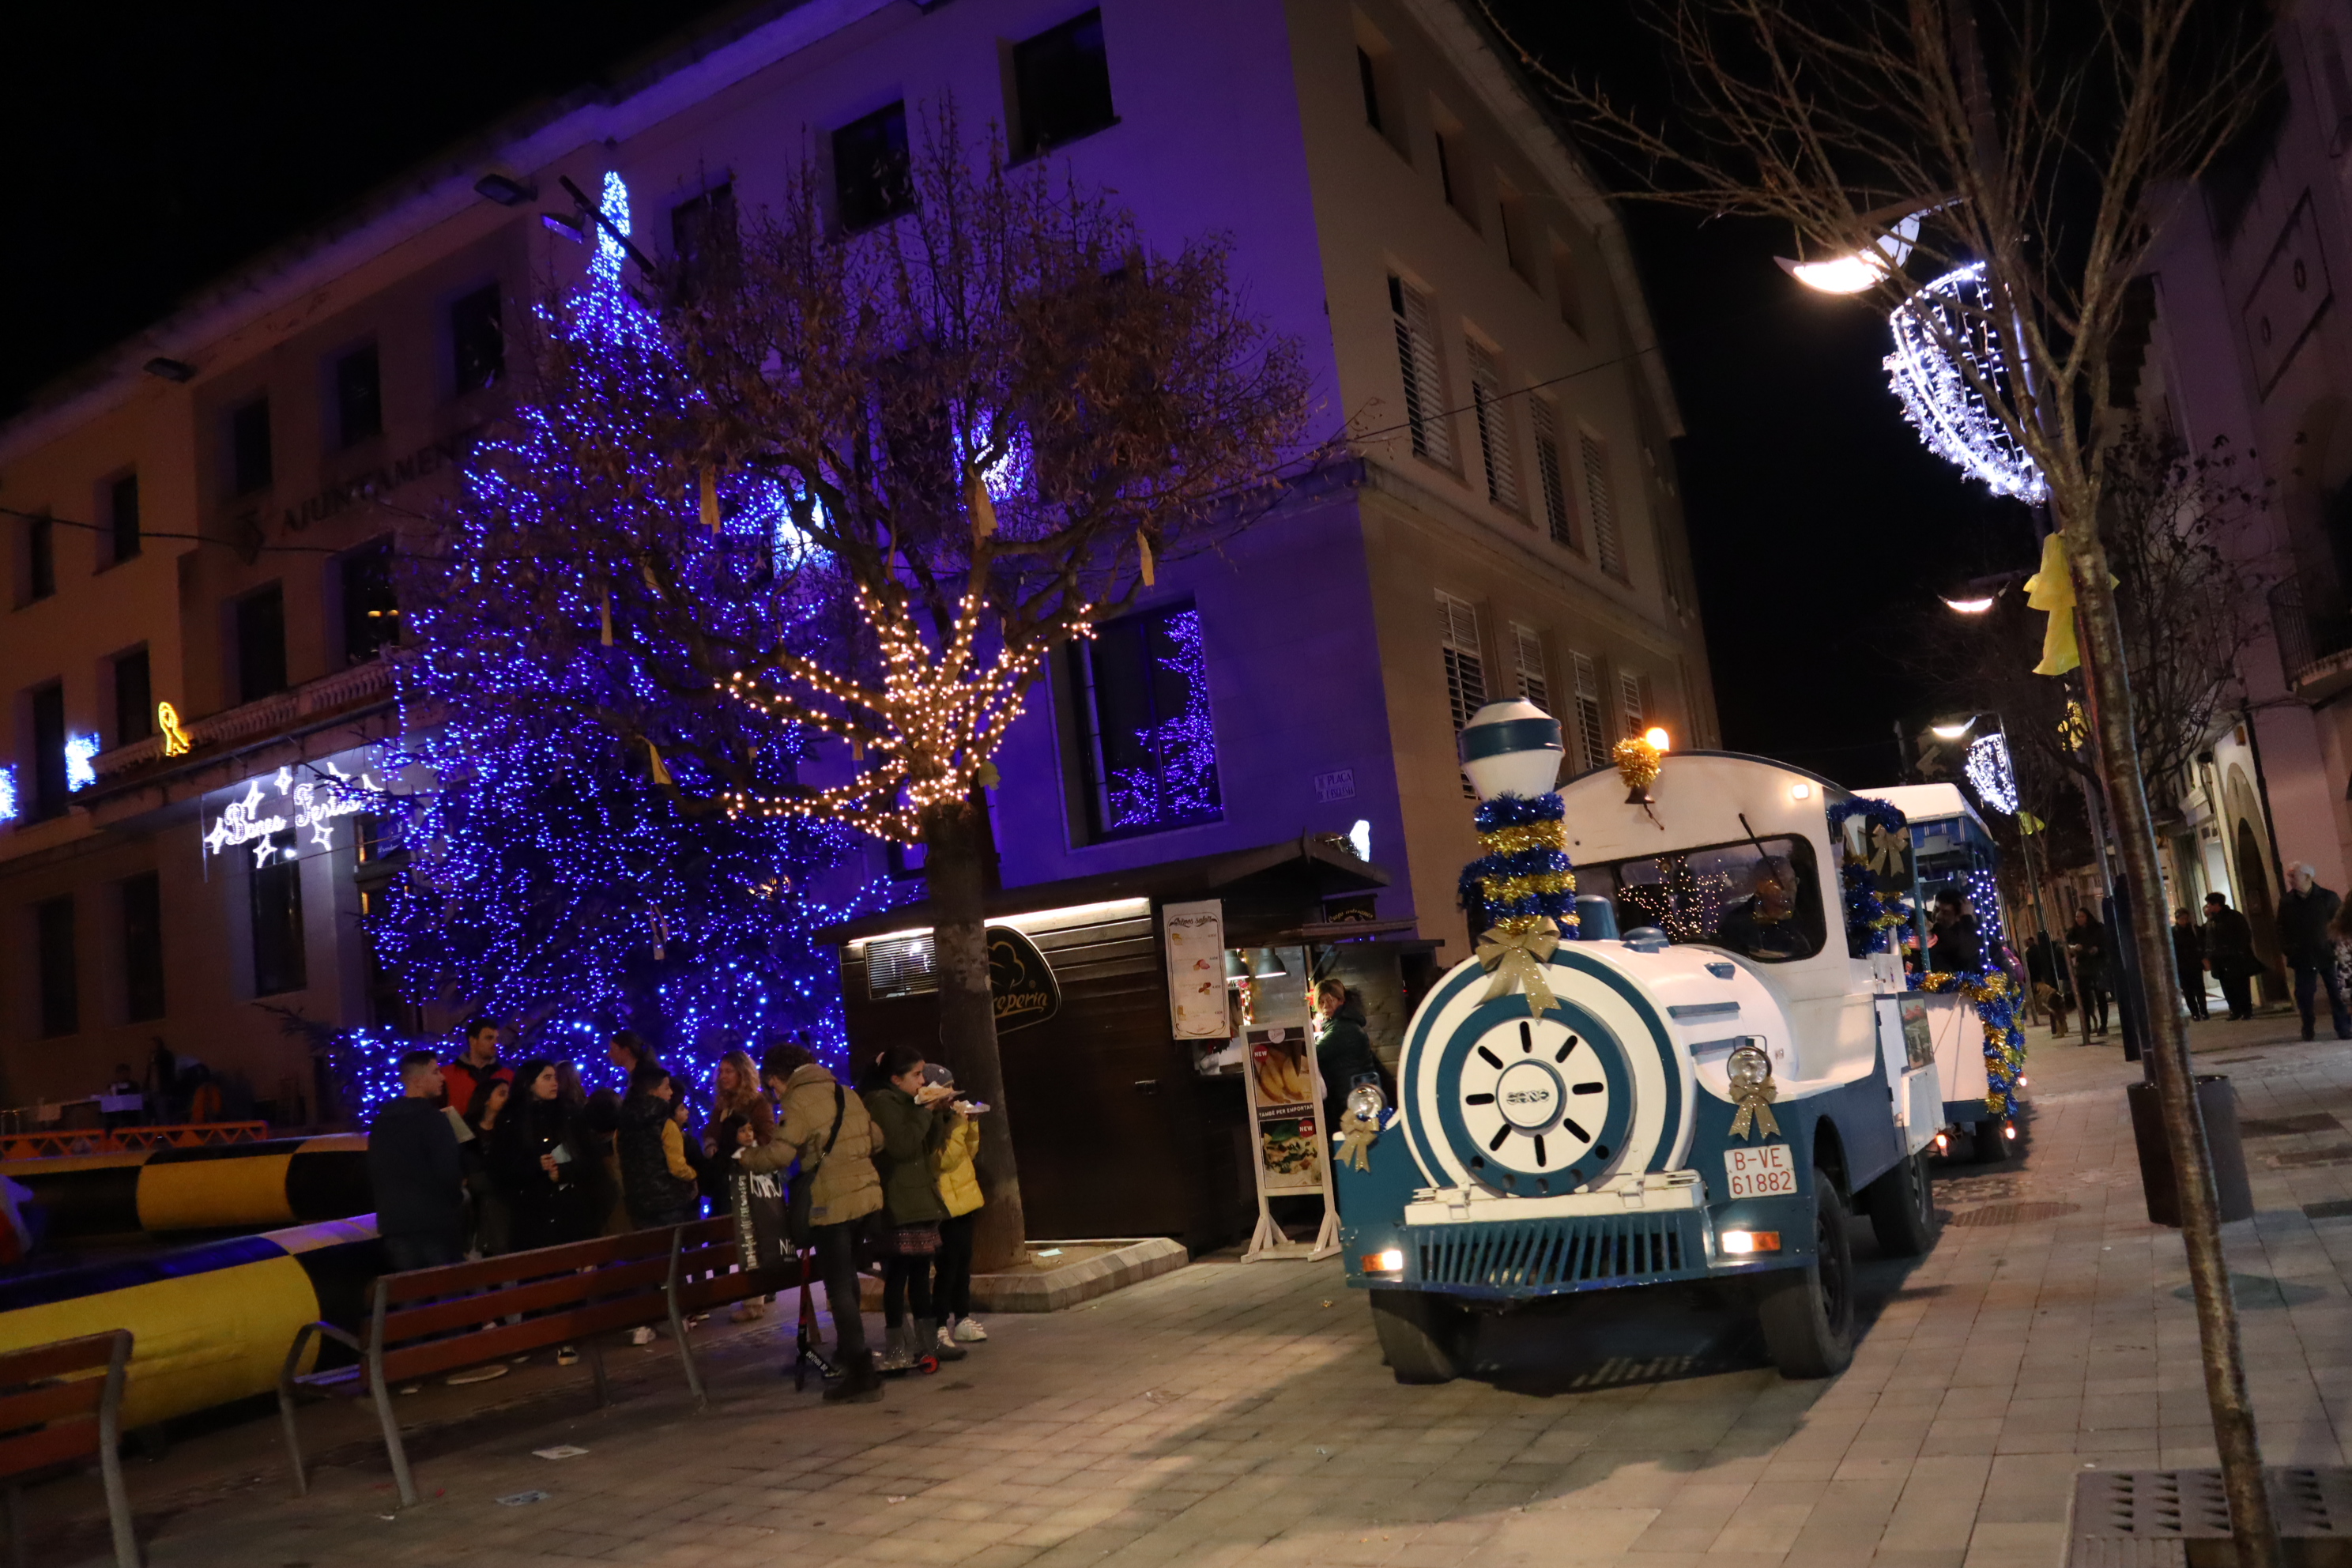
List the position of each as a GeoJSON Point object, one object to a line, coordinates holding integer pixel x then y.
{"type": "Point", "coordinates": [643, 1334]}
{"type": "Point", "coordinates": [968, 1331]}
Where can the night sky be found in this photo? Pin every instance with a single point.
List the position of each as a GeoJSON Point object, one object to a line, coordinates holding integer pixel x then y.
{"type": "Point", "coordinates": [155, 148]}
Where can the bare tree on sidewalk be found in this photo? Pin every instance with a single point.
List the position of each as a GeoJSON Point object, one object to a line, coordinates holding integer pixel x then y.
{"type": "Point", "coordinates": [2044, 151]}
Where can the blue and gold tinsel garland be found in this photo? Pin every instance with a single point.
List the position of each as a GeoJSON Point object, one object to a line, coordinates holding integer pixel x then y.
{"type": "Point", "coordinates": [1871, 913]}
{"type": "Point", "coordinates": [1525, 878]}
{"type": "Point", "coordinates": [1996, 998]}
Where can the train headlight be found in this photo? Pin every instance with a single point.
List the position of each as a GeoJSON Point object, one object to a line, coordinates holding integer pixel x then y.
{"type": "Point", "coordinates": [1750, 1069]}
{"type": "Point", "coordinates": [1365, 1102]}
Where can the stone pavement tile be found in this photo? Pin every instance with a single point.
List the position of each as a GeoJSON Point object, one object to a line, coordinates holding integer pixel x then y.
{"type": "Point", "coordinates": [1995, 1545]}
{"type": "Point", "coordinates": [1567, 1533]}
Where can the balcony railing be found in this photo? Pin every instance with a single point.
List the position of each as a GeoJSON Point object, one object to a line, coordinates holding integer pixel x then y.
{"type": "Point", "coordinates": [2314, 644]}
{"type": "Point", "coordinates": [361, 685]}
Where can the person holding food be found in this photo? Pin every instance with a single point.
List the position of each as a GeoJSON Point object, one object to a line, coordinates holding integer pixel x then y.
{"type": "Point", "coordinates": [1343, 1051]}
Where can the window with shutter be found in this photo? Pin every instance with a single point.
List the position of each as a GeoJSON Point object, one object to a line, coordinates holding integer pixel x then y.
{"type": "Point", "coordinates": [1606, 541]}
{"type": "Point", "coordinates": [1556, 512]}
{"type": "Point", "coordinates": [1466, 668]}
{"type": "Point", "coordinates": [1526, 655]}
{"type": "Point", "coordinates": [1424, 382]}
{"type": "Point", "coordinates": [1493, 427]}
{"type": "Point", "coordinates": [1591, 738]}
{"type": "Point", "coordinates": [1629, 701]}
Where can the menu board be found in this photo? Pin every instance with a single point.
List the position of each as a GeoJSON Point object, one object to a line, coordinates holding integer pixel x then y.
{"type": "Point", "coordinates": [1193, 936]}
{"type": "Point", "coordinates": [1284, 1105]}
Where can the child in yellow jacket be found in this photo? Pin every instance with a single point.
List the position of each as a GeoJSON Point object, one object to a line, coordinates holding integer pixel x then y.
{"type": "Point", "coordinates": [958, 1181]}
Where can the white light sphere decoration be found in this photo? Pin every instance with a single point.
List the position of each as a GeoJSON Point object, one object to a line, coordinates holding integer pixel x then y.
{"type": "Point", "coordinates": [1511, 747]}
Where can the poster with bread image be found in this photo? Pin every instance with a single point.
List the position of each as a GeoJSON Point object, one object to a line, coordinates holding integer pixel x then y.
{"type": "Point", "coordinates": [1283, 1099]}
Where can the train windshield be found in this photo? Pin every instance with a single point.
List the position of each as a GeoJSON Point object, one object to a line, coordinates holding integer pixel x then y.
{"type": "Point", "coordinates": [1760, 899]}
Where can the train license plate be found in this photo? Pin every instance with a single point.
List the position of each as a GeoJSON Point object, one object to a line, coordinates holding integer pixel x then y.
{"type": "Point", "coordinates": [1764, 1172]}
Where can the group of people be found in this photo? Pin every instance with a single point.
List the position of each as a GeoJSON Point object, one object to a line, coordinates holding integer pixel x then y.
{"type": "Point", "coordinates": [479, 1158]}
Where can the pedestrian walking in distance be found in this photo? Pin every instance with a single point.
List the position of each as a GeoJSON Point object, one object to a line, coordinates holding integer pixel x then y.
{"type": "Point", "coordinates": [418, 1176]}
{"type": "Point", "coordinates": [2306, 914]}
{"type": "Point", "coordinates": [825, 1129]}
{"type": "Point", "coordinates": [912, 1121]}
{"type": "Point", "coordinates": [2188, 962]}
{"type": "Point", "coordinates": [2087, 949]}
{"type": "Point", "coordinates": [959, 1182]}
{"type": "Point", "coordinates": [2230, 954]}
{"type": "Point", "coordinates": [658, 1183]}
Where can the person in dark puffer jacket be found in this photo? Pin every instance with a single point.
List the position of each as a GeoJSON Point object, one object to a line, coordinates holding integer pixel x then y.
{"type": "Point", "coordinates": [656, 1180]}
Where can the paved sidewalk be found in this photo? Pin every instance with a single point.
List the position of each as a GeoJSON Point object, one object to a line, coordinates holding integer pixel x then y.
{"type": "Point", "coordinates": [1232, 1414]}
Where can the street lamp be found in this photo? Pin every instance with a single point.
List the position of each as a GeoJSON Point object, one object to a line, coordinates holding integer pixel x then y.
{"type": "Point", "coordinates": [1861, 269]}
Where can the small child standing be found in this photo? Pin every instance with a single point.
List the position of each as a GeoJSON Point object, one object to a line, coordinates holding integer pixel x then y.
{"type": "Point", "coordinates": [958, 1185]}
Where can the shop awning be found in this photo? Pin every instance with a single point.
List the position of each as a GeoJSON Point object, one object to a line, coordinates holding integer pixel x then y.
{"type": "Point", "coordinates": [1274, 882]}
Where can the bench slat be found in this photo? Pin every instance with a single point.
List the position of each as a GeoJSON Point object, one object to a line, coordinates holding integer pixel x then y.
{"type": "Point", "coordinates": [472, 1311]}
{"type": "Point", "coordinates": [81, 1397]}
{"type": "Point", "coordinates": [52, 1445]}
{"type": "Point", "coordinates": [89, 1354]}
{"type": "Point", "coordinates": [699, 1295]}
{"type": "Point", "coordinates": [506, 1340]}
{"type": "Point", "coordinates": [510, 1267]}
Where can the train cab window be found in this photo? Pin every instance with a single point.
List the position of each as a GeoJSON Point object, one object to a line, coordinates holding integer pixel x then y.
{"type": "Point", "coordinates": [1761, 899]}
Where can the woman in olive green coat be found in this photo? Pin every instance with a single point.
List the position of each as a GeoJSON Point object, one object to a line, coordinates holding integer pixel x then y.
{"type": "Point", "coordinates": [912, 1121]}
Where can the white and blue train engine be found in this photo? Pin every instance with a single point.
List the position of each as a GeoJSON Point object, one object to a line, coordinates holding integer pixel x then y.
{"type": "Point", "coordinates": [1717, 1082]}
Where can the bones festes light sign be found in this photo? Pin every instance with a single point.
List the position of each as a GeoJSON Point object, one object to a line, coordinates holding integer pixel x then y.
{"type": "Point", "coordinates": [285, 800]}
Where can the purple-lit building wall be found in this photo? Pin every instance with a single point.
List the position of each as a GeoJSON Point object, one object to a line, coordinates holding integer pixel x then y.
{"type": "Point", "coordinates": [1502, 518]}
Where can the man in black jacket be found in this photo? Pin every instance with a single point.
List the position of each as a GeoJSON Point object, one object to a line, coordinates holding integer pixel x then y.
{"type": "Point", "coordinates": [419, 1180]}
{"type": "Point", "coordinates": [2230, 954]}
{"type": "Point", "coordinates": [2304, 914]}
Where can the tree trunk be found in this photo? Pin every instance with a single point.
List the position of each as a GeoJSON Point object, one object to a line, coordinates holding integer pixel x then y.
{"type": "Point", "coordinates": [2167, 1050]}
{"type": "Point", "coordinates": [955, 864]}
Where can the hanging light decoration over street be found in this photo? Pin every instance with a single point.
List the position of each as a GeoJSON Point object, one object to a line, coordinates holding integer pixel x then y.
{"type": "Point", "coordinates": [1952, 316]}
{"type": "Point", "coordinates": [1989, 770]}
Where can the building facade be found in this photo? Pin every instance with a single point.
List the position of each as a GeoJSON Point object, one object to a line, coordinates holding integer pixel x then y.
{"type": "Point", "coordinates": [203, 518]}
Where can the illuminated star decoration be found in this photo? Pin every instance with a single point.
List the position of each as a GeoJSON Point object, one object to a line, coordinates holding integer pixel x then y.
{"type": "Point", "coordinates": [930, 727]}
{"type": "Point", "coordinates": [1989, 770]}
{"type": "Point", "coordinates": [1952, 316]}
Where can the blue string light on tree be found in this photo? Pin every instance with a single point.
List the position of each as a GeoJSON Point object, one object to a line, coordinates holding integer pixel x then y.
{"type": "Point", "coordinates": [1180, 784]}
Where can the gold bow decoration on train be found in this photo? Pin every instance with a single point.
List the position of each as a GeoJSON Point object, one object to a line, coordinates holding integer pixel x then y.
{"type": "Point", "coordinates": [1516, 958]}
{"type": "Point", "coordinates": [1756, 1107]}
{"type": "Point", "coordinates": [1887, 850]}
{"type": "Point", "coordinates": [1356, 1141]}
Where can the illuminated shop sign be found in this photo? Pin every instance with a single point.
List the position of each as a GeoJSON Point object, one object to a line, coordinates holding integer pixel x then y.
{"type": "Point", "coordinates": [307, 802]}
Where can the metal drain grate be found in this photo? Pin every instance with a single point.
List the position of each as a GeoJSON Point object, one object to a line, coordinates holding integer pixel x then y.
{"type": "Point", "coordinates": [2181, 1518]}
{"type": "Point", "coordinates": [2330, 1208]}
{"type": "Point", "coordinates": [2326, 1154]}
{"type": "Point", "coordinates": [2012, 1213]}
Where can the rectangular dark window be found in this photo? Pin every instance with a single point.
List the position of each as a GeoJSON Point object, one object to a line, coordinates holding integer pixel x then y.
{"type": "Point", "coordinates": [276, 910]}
{"type": "Point", "coordinates": [1062, 79]}
{"type": "Point", "coordinates": [249, 465]}
{"type": "Point", "coordinates": [870, 163]}
{"type": "Point", "coordinates": [477, 345]}
{"type": "Point", "coordinates": [122, 518]}
{"type": "Point", "coordinates": [61, 980]}
{"type": "Point", "coordinates": [371, 610]}
{"type": "Point", "coordinates": [1370, 77]}
{"type": "Point", "coordinates": [261, 644]}
{"type": "Point", "coordinates": [49, 785]}
{"type": "Point", "coordinates": [359, 397]}
{"type": "Point", "coordinates": [701, 231]}
{"type": "Point", "coordinates": [40, 558]}
{"type": "Point", "coordinates": [142, 948]}
{"type": "Point", "coordinates": [135, 698]}
{"type": "Point", "coordinates": [1148, 743]}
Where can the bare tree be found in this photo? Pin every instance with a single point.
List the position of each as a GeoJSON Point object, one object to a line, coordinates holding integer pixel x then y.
{"type": "Point", "coordinates": [946, 446]}
{"type": "Point", "coordinates": [2043, 154]}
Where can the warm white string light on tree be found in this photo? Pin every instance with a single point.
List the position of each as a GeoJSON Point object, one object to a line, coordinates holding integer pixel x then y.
{"type": "Point", "coordinates": [1948, 318]}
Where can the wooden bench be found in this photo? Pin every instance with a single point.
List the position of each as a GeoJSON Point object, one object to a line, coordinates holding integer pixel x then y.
{"type": "Point", "coordinates": [55, 1411]}
{"type": "Point", "coordinates": [430, 1321]}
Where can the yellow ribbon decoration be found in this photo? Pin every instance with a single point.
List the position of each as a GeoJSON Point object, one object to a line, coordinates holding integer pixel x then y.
{"type": "Point", "coordinates": [1755, 1109]}
{"type": "Point", "coordinates": [2052, 589]}
{"type": "Point", "coordinates": [175, 739]}
{"type": "Point", "coordinates": [1887, 850]}
{"type": "Point", "coordinates": [710, 500]}
{"type": "Point", "coordinates": [1356, 1147]}
{"type": "Point", "coordinates": [1515, 958]}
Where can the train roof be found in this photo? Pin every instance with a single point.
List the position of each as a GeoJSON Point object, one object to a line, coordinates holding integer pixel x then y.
{"type": "Point", "coordinates": [1928, 802]}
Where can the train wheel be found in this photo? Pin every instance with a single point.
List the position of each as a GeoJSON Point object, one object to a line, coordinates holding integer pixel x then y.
{"type": "Point", "coordinates": [1902, 1208]}
{"type": "Point", "coordinates": [1808, 1313]}
{"type": "Point", "coordinates": [1421, 1335]}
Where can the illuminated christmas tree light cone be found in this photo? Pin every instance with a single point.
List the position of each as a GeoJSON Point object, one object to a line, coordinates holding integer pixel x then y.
{"type": "Point", "coordinates": [1522, 883]}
